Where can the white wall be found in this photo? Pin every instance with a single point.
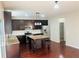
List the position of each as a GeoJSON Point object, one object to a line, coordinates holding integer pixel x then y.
{"type": "Point", "coordinates": [71, 28]}
{"type": "Point", "coordinates": [2, 33]}
{"type": "Point", "coordinates": [54, 30]}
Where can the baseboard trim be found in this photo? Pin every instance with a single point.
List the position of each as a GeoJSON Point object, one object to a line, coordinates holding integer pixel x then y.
{"type": "Point", "coordinates": [68, 45]}
{"type": "Point", "coordinates": [72, 46]}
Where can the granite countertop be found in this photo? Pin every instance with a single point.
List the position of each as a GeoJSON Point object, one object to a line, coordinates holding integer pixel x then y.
{"type": "Point", "coordinates": [11, 40]}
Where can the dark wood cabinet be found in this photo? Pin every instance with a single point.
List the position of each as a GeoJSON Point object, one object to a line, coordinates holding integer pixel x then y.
{"type": "Point", "coordinates": [7, 22]}
{"type": "Point", "coordinates": [21, 24]}
{"type": "Point", "coordinates": [18, 25]}
{"type": "Point", "coordinates": [43, 22]}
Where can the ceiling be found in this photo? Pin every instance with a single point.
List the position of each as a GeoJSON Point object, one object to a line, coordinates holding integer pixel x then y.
{"type": "Point", "coordinates": [44, 7]}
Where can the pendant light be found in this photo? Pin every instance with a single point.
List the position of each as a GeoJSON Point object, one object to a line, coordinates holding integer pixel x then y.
{"type": "Point", "coordinates": [56, 4]}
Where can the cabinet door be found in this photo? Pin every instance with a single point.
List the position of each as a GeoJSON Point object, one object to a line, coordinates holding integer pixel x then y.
{"type": "Point", "coordinates": [18, 25]}
{"type": "Point", "coordinates": [15, 25]}
{"type": "Point", "coordinates": [21, 25]}
{"type": "Point", "coordinates": [44, 22]}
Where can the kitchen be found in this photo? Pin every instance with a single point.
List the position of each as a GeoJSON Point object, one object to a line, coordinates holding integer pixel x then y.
{"type": "Point", "coordinates": [19, 31]}
{"type": "Point", "coordinates": [39, 29]}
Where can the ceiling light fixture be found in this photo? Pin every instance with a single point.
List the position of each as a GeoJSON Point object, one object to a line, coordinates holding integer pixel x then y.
{"type": "Point", "coordinates": [37, 15]}
{"type": "Point", "coordinates": [56, 4]}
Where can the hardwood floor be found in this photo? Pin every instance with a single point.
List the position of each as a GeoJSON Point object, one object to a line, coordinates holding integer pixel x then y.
{"type": "Point", "coordinates": [56, 51]}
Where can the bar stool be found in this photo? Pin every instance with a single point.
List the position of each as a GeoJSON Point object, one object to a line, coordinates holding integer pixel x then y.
{"type": "Point", "coordinates": [46, 43]}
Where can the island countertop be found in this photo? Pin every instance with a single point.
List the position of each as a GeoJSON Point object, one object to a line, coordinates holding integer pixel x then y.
{"type": "Point", "coordinates": [36, 37]}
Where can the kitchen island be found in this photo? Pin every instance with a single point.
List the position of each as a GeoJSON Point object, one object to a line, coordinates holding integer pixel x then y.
{"type": "Point", "coordinates": [38, 41]}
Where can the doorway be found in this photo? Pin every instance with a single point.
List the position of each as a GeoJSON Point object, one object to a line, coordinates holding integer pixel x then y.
{"type": "Point", "coordinates": [61, 30]}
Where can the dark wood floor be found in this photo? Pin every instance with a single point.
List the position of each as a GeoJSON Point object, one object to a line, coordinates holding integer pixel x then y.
{"type": "Point", "coordinates": [56, 51]}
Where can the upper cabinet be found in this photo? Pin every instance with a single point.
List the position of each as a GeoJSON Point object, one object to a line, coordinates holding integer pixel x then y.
{"type": "Point", "coordinates": [33, 24]}
{"type": "Point", "coordinates": [39, 23]}
{"type": "Point", "coordinates": [7, 22]}
{"type": "Point", "coordinates": [44, 22]}
{"type": "Point", "coordinates": [18, 25]}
